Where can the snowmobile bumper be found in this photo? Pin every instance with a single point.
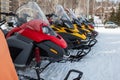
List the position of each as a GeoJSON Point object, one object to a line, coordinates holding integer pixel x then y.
{"type": "Point", "coordinates": [51, 50]}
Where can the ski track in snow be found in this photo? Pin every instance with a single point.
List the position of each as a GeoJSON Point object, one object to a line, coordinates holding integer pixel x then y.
{"type": "Point", "coordinates": [102, 63]}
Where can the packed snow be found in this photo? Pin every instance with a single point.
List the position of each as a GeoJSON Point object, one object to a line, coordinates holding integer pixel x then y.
{"type": "Point", "coordinates": [102, 63]}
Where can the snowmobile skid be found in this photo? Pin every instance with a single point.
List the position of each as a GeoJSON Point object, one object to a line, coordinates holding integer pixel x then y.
{"type": "Point", "coordinates": [89, 42]}
{"type": "Point", "coordinates": [38, 70]}
{"type": "Point", "coordinates": [79, 54]}
{"type": "Point", "coordinates": [75, 71]}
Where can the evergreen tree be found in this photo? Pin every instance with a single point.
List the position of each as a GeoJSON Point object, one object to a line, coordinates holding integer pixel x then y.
{"type": "Point", "coordinates": [118, 15]}
{"type": "Point", "coordinates": [115, 17]}
{"type": "Point", "coordinates": [112, 15]}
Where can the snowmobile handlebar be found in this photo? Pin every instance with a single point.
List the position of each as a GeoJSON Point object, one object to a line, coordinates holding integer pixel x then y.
{"type": "Point", "coordinates": [8, 14]}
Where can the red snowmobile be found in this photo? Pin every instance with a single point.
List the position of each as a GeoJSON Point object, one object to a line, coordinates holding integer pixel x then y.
{"type": "Point", "coordinates": [33, 38]}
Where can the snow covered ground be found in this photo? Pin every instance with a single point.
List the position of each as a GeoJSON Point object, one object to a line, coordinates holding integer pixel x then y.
{"type": "Point", "coordinates": [102, 63]}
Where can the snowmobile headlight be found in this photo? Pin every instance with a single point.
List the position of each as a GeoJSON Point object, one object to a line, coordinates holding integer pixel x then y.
{"type": "Point", "coordinates": [45, 30]}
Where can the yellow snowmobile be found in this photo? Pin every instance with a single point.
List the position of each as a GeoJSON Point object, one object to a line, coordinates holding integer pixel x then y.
{"type": "Point", "coordinates": [67, 30]}
{"type": "Point", "coordinates": [82, 24]}
{"type": "Point", "coordinates": [86, 24]}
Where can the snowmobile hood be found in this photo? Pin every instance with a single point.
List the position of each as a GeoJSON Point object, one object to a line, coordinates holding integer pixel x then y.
{"type": "Point", "coordinates": [35, 25]}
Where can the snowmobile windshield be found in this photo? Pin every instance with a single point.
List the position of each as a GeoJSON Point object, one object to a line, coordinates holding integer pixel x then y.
{"type": "Point", "coordinates": [82, 20]}
{"type": "Point", "coordinates": [74, 18]}
{"type": "Point", "coordinates": [85, 21]}
{"type": "Point", "coordinates": [62, 15]}
{"type": "Point", "coordinates": [30, 11]}
{"type": "Point", "coordinates": [72, 14]}
{"type": "Point", "coordinates": [33, 16]}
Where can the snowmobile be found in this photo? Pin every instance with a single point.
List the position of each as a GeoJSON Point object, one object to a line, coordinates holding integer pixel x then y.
{"type": "Point", "coordinates": [85, 24]}
{"type": "Point", "coordinates": [33, 38]}
{"type": "Point", "coordinates": [87, 29]}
